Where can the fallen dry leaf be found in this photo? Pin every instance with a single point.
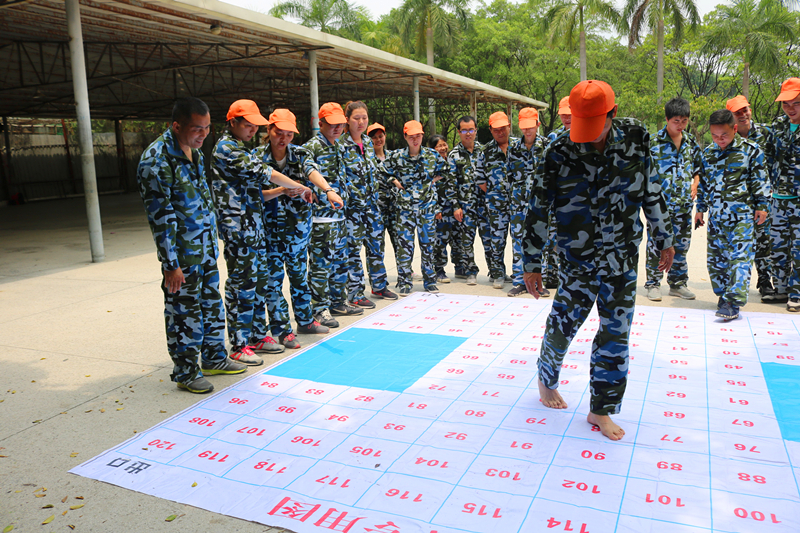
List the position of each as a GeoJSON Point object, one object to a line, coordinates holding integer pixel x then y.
{"type": "Point", "coordinates": [170, 518]}
{"type": "Point", "coordinates": [8, 528]}
{"type": "Point", "coordinates": [120, 408]}
{"type": "Point", "coordinates": [64, 499]}
{"type": "Point", "coordinates": [78, 497]}
{"type": "Point", "coordinates": [43, 358]}
{"type": "Point", "coordinates": [102, 410]}
{"type": "Point", "coordinates": [36, 421]}
{"type": "Point", "coordinates": [33, 381]}
{"type": "Point", "coordinates": [89, 411]}
{"type": "Point", "coordinates": [74, 454]}
{"type": "Point", "coordinates": [40, 495]}
{"type": "Point", "coordinates": [194, 484]}
{"type": "Point", "coordinates": [74, 507]}
{"type": "Point", "coordinates": [64, 513]}
{"type": "Point", "coordinates": [162, 411]}
{"type": "Point", "coordinates": [48, 506]}
{"type": "Point", "coordinates": [40, 488]}
{"type": "Point", "coordinates": [88, 375]}
{"type": "Point", "coordinates": [3, 456]}
{"type": "Point", "coordinates": [70, 526]}
{"type": "Point", "coordinates": [48, 520]}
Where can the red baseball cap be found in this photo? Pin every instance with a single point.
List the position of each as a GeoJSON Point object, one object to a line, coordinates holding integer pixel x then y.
{"type": "Point", "coordinates": [736, 103]}
{"type": "Point", "coordinates": [284, 119]}
{"type": "Point", "coordinates": [790, 89]}
{"type": "Point", "coordinates": [376, 126]}
{"type": "Point", "coordinates": [412, 127]}
{"type": "Point", "coordinates": [528, 118]}
{"type": "Point", "coordinates": [563, 106]}
{"type": "Point", "coordinates": [332, 113]}
{"type": "Point", "coordinates": [248, 110]}
{"type": "Point", "coordinates": [498, 120]}
{"type": "Point", "coordinates": [590, 101]}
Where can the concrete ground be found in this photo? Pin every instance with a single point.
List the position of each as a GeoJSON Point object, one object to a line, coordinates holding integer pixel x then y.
{"type": "Point", "coordinates": [85, 362]}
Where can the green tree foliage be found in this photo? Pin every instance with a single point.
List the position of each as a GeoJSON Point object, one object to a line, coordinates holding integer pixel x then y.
{"type": "Point", "coordinates": [752, 30]}
{"type": "Point", "coordinates": [338, 17]}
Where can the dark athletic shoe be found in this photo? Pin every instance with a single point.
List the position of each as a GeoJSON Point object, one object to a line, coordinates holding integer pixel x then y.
{"type": "Point", "coordinates": [228, 366]}
{"type": "Point", "coordinates": [198, 386]}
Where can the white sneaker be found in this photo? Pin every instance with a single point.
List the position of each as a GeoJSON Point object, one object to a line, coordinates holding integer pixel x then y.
{"type": "Point", "coordinates": [682, 292]}
{"type": "Point", "coordinates": [654, 294]}
{"type": "Point", "coordinates": [498, 283]}
{"type": "Point", "coordinates": [472, 279]}
{"type": "Point", "coordinates": [246, 356]}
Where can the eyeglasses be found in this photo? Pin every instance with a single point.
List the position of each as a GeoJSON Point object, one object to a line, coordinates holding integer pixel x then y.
{"type": "Point", "coordinates": [467, 132]}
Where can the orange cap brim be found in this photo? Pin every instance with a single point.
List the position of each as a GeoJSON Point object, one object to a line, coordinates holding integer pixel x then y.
{"type": "Point", "coordinates": [787, 96]}
{"type": "Point", "coordinates": [285, 126]}
{"type": "Point", "coordinates": [258, 120]}
{"type": "Point", "coordinates": [526, 123]}
{"type": "Point", "coordinates": [413, 130]}
{"type": "Point", "coordinates": [564, 111]}
{"type": "Point", "coordinates": [586, 129]}
{"type": "Point", "coordinates": [335, 119]}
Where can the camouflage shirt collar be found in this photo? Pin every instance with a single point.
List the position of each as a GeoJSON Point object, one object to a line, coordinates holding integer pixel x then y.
{"type": "Point", "coordinates": [173, 148]}
{"type": "Point", "coordinates": [348, 139]}
{"type": "Point", "coordinates": [324, 140]}
{"type": "Point", "coordinates": [227, 136]}
{"type": "Point", "coordinates": [463, 149]}
{"type": "Point", "coordinates": [615, 136]}
{"type": "Point", "coordinates": [291, 154]}
{"type": "Point", "coordinates": [735, 144]}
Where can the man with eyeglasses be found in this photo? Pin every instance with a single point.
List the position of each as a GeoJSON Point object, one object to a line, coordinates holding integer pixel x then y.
{"type": "Point", "coordinates": [759, 134]}
{"type": "Point", "coordinates": [470, 198]}
{"type": "Point", "coordinates": [491, 175]}
{"type": "Point", "coordinates": [783, 155]}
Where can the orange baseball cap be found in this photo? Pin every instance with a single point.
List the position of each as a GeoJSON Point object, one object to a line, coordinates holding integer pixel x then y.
{"type": "Point", "coordinates": [498, 120]}
{"type": "Point", "coordinates": [790, 89]}
{"type": "Point", "coordinates": [248, 110]}
{"type": "Point", "coordinates": [736, 103]}
{"type": "Point", "coordinates": [376, 126]}
{"type": "Point", "coordinates": [528, 118]}
{"type": "Point", "coordinates": [332, 113]}
{"type": "Point", "coordinates": [412, 127]}
{"type": "Point", "coordinates": [590, 101]}
{"type": "Point", "coordinates": [284, 119]}
{"type": "Point", "coordinates": [563, 106]}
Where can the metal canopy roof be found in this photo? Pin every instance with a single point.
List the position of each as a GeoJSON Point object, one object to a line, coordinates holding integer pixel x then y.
{"type": "Point", "coordinates": [141, 55]}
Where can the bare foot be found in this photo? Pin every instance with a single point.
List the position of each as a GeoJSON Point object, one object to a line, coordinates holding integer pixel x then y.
{"type": "Point", "coordinates": [551, 397]}
{"type": "Point", "coordinates": [606, 425]}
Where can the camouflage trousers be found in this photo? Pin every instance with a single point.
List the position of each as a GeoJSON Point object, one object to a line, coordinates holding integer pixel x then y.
{"type": "Point", "coordinates": [785, 255]}
{"type": "Point", "coordinates": [195, 322]}
{"type": "Point", "coordinates": [517, 230]}
{"type": "Point", "coordinates": [365, 228]}
{"type": "Point", "coordinates": [289, 255]}
{"type": "Point", "coordinates": [446, 235]}
{"type": "Point", "coordinates": [327, 265]}
{"type": "Point", "coordinates": [763, 250]}
{"type": "Point", "coordinates": [729, 256]}
{"type": "Point", "coordinates": [388, 215]}
{"type": "Point", "coordinates": [576, 294]}
{"type": "Point", "coordinates": [245, 295]}
{"type": "Point", "coordinates": [678, 275]}
{"type": "Point", "coordinates": [499, 217]}
{"type": "Point", "coordinates": [472, 224]}
{"type": "Point", "coordinates": [410, 220]}
{"type": "Point", "coordinates": [550, 254]}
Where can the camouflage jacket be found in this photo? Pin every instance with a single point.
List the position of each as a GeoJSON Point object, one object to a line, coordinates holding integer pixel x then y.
{"type": "Point", "coordinates": [783, 157]}
{"type": "Point", "coordinates": [462, 167]}
{"type": "Point", "coordinates": [553, 135]}
{"type": "Point", "coordinates": [178, 203]}
{"type": "Point", "coordinates": [239, 177]}
{"type": "Point", "coordinates": [522, 168]}
{"type": "Point", "coordinates": [676, 168]}
{"type": "Point", "coordinates": [386, 191]}
{"type": "Point", "coordinates": [761, 134]}
{"type": "Point", "coordinates": [416, 176]}
{"type": "Point", "coordinates": [330, 160]}
{"type": "Point", "coordinates": [492, 170]}
{"type": "Point", "coordinates": [597, 198]}
{"type": "Point", "coordinates": [283, 214]}
{"type": "Point", "coordinates": [733, 181]}
{"type": "Point", "coordinates": [362, 172]}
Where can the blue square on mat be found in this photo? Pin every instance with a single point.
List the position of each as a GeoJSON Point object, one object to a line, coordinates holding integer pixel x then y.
{"type": "Point", "coordinates": [368, 358]}
{"type": "Point", "coordinates": [783, 383]}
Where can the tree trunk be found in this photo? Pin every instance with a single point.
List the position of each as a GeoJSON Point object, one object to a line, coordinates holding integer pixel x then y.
{"type": "Point", "coordinates": [746, 81]}
{"type": "Point", "coordinates": [431, 101]}
{"type": "Point", "coordinates": [583, 48]}
{"type": "Point", "coordinates": [660, 59]}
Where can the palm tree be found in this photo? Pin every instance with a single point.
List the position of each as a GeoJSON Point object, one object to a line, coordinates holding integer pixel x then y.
{"type": "Point", "coordinates": [338, 17]}
{"type": "Point", "coordinates": [650, 14]}
{"type": "Point", "coordinates": [752, 29]}
{"type": "Point", "coordinates": [565, 18]}
{"type": "Point", "coordinates": [427, 22]}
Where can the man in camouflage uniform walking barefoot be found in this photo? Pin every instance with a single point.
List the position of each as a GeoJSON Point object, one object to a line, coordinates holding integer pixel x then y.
{"type": "Point", "coordinates": [598, 178]}
{"type": "Point", "coordinates": [180, 212]}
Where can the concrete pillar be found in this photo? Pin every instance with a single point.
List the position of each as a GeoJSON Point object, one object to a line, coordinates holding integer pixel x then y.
{"type": "Point", "coordinates": [313, 82]}
{"type": "Point", "coordinates": [5, 164]}
{"type": "Point", "coordinates": [81, 89]}
{"type": "Point", "coordinates": [416, 98]}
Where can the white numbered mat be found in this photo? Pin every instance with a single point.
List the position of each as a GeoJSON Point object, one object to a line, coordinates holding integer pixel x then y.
{"type": "Point", "coordinates": [425, 417]}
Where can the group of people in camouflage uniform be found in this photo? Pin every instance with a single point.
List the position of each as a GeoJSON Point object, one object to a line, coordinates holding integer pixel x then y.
{"type": "Point", "coordinates": [571, 203]}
